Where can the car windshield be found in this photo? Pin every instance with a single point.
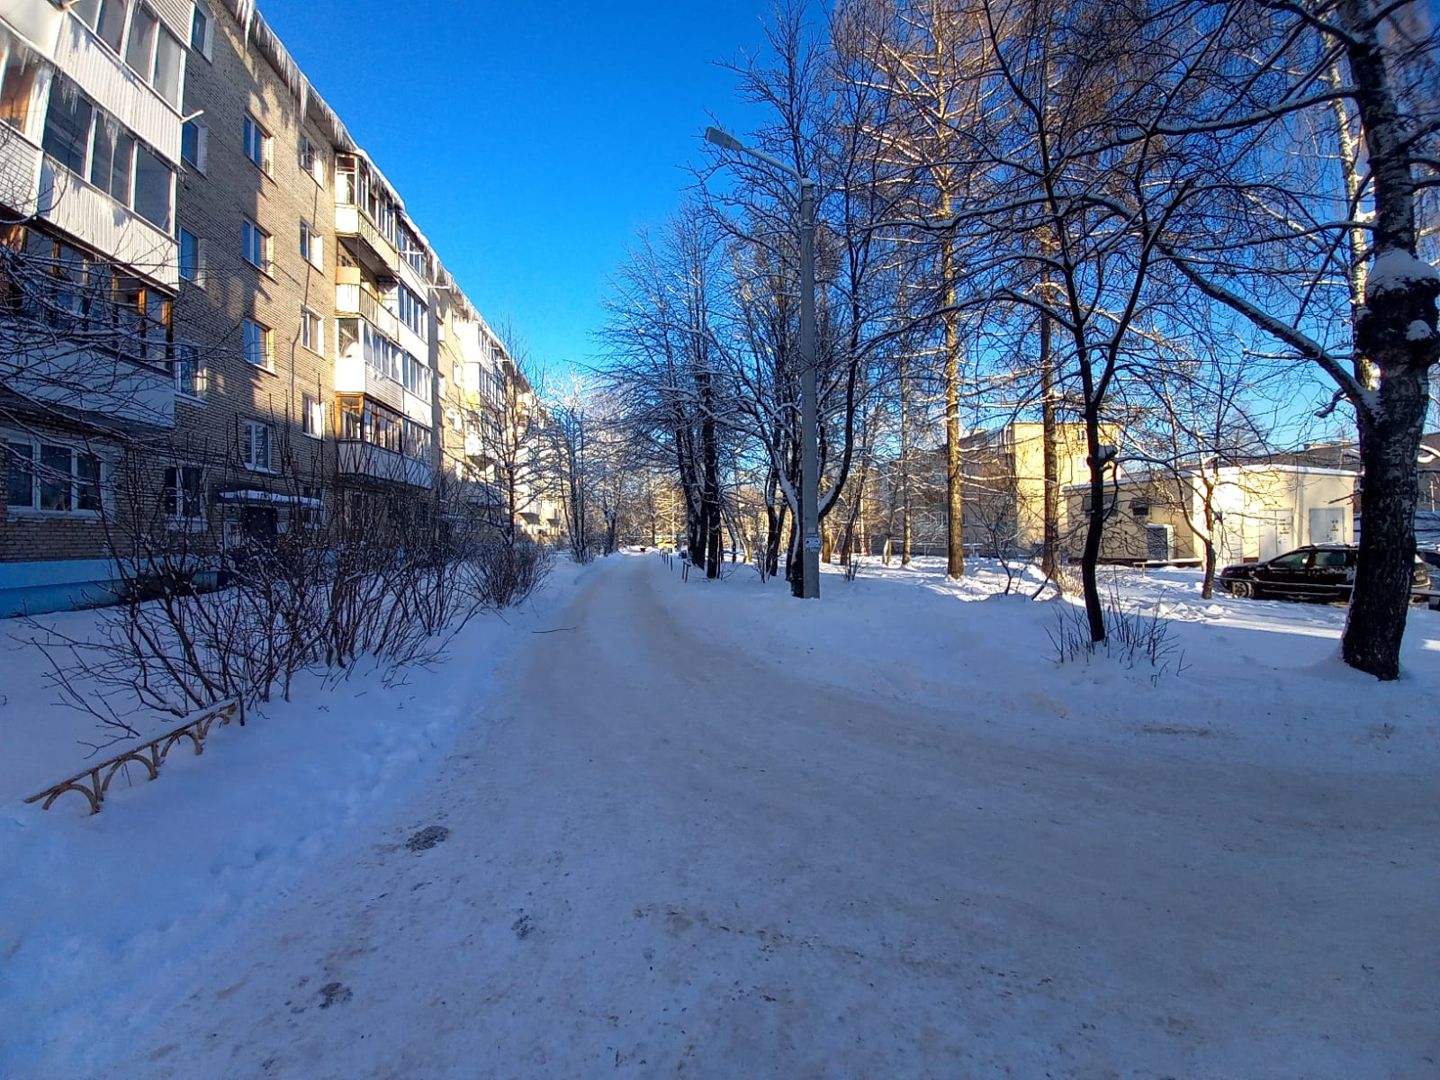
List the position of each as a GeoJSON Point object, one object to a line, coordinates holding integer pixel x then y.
{"type": "Point", "coordinates": [1296, 560]}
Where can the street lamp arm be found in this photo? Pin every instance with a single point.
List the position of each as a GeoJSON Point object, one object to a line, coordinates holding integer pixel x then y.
{"type": "Point", "coordinates": [727, 141]}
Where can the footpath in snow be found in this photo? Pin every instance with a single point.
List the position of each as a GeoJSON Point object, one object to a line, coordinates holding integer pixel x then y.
{"type": "Point", "coordinates": [96, 912]}
{"type": "Point", "coordinates": [705, 829]}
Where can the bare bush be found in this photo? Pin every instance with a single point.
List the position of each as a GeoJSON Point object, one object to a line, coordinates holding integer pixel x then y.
{"type": "Point", "coordinates": [1136, 637]}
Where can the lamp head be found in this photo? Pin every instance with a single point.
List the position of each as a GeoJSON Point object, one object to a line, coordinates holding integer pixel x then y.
{"type": "Point", "coordinates": [723, 139]}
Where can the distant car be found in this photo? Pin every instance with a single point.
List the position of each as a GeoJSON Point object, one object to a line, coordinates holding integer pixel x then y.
{"type": "Point", "coordinates": [1316, 572]}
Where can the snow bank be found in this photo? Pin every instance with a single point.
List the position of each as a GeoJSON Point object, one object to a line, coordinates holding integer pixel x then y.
{"type": "Point", "coordinates": [1259, 678]}
{"type": "Point", "coordinates": [95, 910]}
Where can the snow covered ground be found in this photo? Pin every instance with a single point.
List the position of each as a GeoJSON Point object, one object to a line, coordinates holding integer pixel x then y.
{"type": "Point", "coordinates": [705, 829]}
{"type": "Point", "coordinates": [92, 908]}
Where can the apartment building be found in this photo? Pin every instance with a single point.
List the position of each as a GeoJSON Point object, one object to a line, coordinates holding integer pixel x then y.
{"type": "Point", "coordinates": [90, 145]}
{"type": "Point", "coordinates": [266, 329]}
{"type": "Point", "coordinates": [255, 315]}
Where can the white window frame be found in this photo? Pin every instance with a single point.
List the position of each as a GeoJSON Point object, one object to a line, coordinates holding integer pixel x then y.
{"type": "Point", "coordinates": [150, 72]}
{"type": "Point", "coordinates": [316, 169]}
{"type": "Point", "coordinates": [312, 331]}
{"type": "Point", "coordinates": [202, 146]}
{"type": "Point", "coordinates": [312, 246]}
{"type": "Point", "coordinates": [248, 444]}
{"type": "Point", "coordinates": [312, 420]}
{"type": "Point", "coordinates": [207, 42]}
{"type": "Point", "coordinates": [198, 279]}
{"type": "Point", "coordinates": [33, 507]}
{"type": "Point", "coordinates": [254, 131]}
{"type": "Point", "coordinates": [195, 392]}
{"type": "Point", "coordinates": [138, 145]}
{"type": "Point", "coordinates": [264, 336]}
{"type": "Point", "coordinates": [175, 496]}
{"type": "Point", "coordinates": [256, 244]}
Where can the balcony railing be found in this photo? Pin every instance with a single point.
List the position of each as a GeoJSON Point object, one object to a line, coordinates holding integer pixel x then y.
{"type": "Point", "coordinates": [354, 300]}
{"type": "Point", "coordinates": [364, 459]}
{"type": "Point", "coordinates": [378, 253]}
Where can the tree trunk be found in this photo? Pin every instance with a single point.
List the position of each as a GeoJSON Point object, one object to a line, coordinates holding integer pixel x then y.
{"type": "Point", "coordinates": [1095, 527]}
{"type": "Point", "coordinates": [1396, 330]}
{"type": "Point", "coordinates": [1386, 561]}
{"type": "Point", "coordinates": [954, 478]}
{"type": "Point", "coordinates": [904, 467]}
{"type": "Point", "coordinates": [1050, 540]}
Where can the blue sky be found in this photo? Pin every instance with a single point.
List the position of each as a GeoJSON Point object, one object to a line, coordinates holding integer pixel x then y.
{"type": "Point", "coordinates": [529, 140]}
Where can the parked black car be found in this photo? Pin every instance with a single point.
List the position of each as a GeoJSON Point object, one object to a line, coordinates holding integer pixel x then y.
{"type": "Point", "coordinates": [1316, 572]}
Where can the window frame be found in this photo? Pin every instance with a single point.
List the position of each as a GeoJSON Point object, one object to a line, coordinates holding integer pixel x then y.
{"type": "Point", "coordinates": [312, 330]}
{"type": "Point", "coordinates": [202, 145]}
{"type": "Point", "coordinates": [312, 417]}
{"type": "Point", "coordinates": [179, 496]}
{"type": "Point", "coordinates": [264, 337]}
{"type": "Point", "coordinates": [198, 385]}
{"type": "Point", "coordinates": [312, 246]}
{"type": "Point", "coordinates": [197, 278]}
{"type": "Point", "coordinates": [310, 149]}
{"type": "Point", "coordinates": [253, 234]}
{"type": "Point", "coordinates": [251, 460]}
{"type": "Point", "coordinates": [140, 150]}
{"type": "Point", "coordinates": [74, 494]}
{"type": "Point", "coordinates": [206, 45]}
{"type": "Point", "coordinates": [262, 155]}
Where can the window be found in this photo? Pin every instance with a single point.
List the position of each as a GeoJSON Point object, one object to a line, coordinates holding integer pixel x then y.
{"type": "Point", "coordinates": [67, 125]}
{"type": "Point", "coordinates": [256, 444]}
{"type": "Point", "coordinates": [312, 331]}
{"type": "Point", "coordinates": [194, 144]}
{"type": "Point", "coordinates": [411, 250]}
{"type": "Point", "coordinates": [410, 310]}
{"type": "Point", "coordinates": [154, 182]}
{"type": "Point", "coordinates": [257, 345]}
{"type": "Point", "coordinates": [144, 28]}
{"type": "Point", "coordinates": [202, 30]}
{"type": "Point", "coordinates": [185, 494]}
{"type": "Point", "coordinates": [189, 371]}
{"type": "Point", "coordinates": [51, 477]}
{"type": "Point", "coordinates": [1139, 508]}
{"type": "Point", "coordinates": [313, 420]}
{"type": "Point", "coordinates": [311, 160]}
{"type": "Point", "coordinates": [112, 160]}
{"type": "Point", "coordinates": [1296, 560]}
{"type": "Point", "coordinates": [255, 245]}
{"type": "Point", "coordinates": [78, 135]}
{"type": "Point", "coordinates": [17, 87]}
{"type": "Point", "coordinates": [155, 54]}
{"type": "Point", "coordinates": [105, 17]}
{"type": "Point", "coordinates": [192, 257]}
{"type": "Point", "coordinates": [258, 144]}
{"type": "Point", "coordinates": [1330, 559]}
{"type": "Point", "coordinates": [312, 246]}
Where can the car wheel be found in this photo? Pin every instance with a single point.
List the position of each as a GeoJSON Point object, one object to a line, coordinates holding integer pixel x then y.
{"type": "Point", "coordinates": [1244, 589]}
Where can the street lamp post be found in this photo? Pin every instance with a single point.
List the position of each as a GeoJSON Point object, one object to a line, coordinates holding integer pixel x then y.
{"type": "Point", "coordinates": [809, 404]}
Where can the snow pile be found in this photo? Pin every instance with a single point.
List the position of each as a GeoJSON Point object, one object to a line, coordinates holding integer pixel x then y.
{"type": "Point", "coordinates": [1262, 674]}
{"type": "Point", "coordinates": [1395, 269]}
{"type": "Point", "coordinates": [92, 907]}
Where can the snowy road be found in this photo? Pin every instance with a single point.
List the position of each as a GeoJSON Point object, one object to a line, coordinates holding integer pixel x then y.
{"type": "Point", "coordinates": [662, 861]}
